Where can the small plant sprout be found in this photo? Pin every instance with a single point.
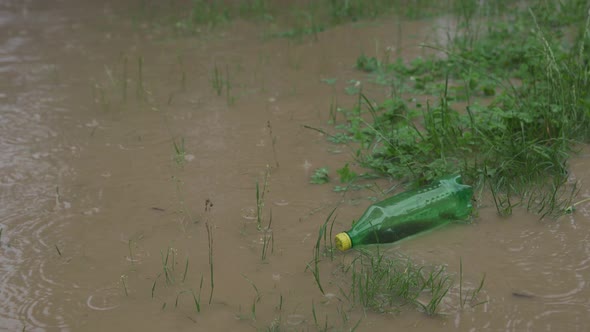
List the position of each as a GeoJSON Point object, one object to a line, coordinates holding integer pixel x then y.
{"type": "Point", "coordinates": [217, 80]}
{"type": "Point", "coordinates": [124, 284]}
{"type": "Point", "coordinates": [154, 284]}
{"type": "Point", "coordinates": [166, 269]}
{"type": "Point", "coordinates": [178, 297]}
{"type": "Point", "coordinates": [313, 266]}
{"type": "Point", "coordinates": [267, 238]}
{"type": "Point", "coordinates": [257, 297]}
{"type": "Point", "coordinates": [260, 198]}
{"type": "Point", "coordinates": [470, 296]}
{"type": "Point", "coordinates": [197, 298]}
{"type": "Point", "coordinates": [210, 245]}
{"type": "Point", "coordinates": [179, 151]}
{"type": "Point", "coordinates": [185, 270]}
{"type": "Point", "coordinates": [274, 141]}
{"type": "Point", "coordinates": [130, 246]}
{"type": "Point", "coordinates": [320, 176]}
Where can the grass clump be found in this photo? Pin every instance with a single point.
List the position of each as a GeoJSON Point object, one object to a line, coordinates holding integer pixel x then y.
{"type": "Point", "coordinates": [516, 144]}
{"type": "Point", "coordinates": [386, 284]}
{"type": "Point", "coordinates": [320, 176]}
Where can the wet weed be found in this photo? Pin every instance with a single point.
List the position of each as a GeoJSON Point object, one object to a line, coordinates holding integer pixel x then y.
{"type": "Point", "coordinates": [385, 284]}
{"type": "Point", "coordinates": [178, 297]}
{"type": "Point", "coordinates": [314, 264]}
{"type": "Point", "coordinates": [516, 142]}
{"type": "Point", "coordinates": [197, 298]}
{"type": "Point", "coordinates": [217, 80]}
{"type": "Point", "coordinates": [209, 229]}
{"type": "Point", "coordinates": [129, 246]}
{"type": "Point", "coordinates": [299, 20]}
{"type": "Point", "coordinates": [469, 296]}
{"type": "Point", "coordinates": [267, 239]}
{"type": "Point", "coordinates": [124, 284]}
{"type": "Point", "coordinates": [179, 151]}
{"type": "Point", "coordinates": [153, 292]}
{"type": "Point", "coordinates": [171, 277]}
{"type": "Point", "coordinates": [273, 139]}
{"type": "Point", "coordinates": [111, 93]}
{"type": "Point", "coordinates": [184, 209]}
{"type": "Point", "coordinates": [257, 297]}
{"type": "Point", "coordinates": [221, 82]}
{"type": "Point", "coordinates": [319, 326]}
{"type": "Point", "coordinates": [320, 176]}
{"type": "Point", "coordinates": [166, 268]}
{"type": "Point", "coordinates": [260, 198]}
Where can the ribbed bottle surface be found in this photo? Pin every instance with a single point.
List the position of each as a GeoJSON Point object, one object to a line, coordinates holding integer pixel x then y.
{"type": "Point", "coordinates": [412, 212]}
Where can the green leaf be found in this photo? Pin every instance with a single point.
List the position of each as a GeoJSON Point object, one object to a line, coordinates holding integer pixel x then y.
{"type": "Point", "coordinates": [329, 81]}
{"type": "Point", "coordinates": [346, 175]}
{"type": "Point", "coordinates": [320, 176]}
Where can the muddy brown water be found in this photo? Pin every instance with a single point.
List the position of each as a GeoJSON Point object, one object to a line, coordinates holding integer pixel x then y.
{"type": "Point", "coordinates": [92, 199]}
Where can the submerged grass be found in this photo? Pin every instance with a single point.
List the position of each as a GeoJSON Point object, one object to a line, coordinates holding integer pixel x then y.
{"type": "Point", "coordinates": [267, 239]}
{"type": "Point", "coordinates": [302, 18]}
{"type": "Point", "coordinates": [260, 193]}
{"type": "Point", "coordinates": [210, 247]}
{"type": "Point", "coordinates": [386, 284]}
{"type": "Point", "coordinates": [124, 284]}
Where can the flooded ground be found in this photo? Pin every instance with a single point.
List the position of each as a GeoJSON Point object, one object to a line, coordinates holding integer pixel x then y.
{"type": "Point", "coordinates": [128, 186]}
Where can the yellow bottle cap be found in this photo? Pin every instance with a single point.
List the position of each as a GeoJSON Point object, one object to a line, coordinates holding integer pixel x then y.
{"type": "Point", "coordinates": [343, 241]}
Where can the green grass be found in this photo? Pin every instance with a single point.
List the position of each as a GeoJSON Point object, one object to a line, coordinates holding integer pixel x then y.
{"type": "Point", "coordinates": [217, 80]}
{"type": "Point", "coordinates": [171, 277]}
{"type": "Point", "coordinates": [469, 296]}
{"type": "Point", "coordinates": [383, 282]}
{"type": "Point", "coordinates": [210, 247]}
{"type": "Point", "coordinates": [124, 284]}
{"type": "Point", "coordinates": [267, 239]}
{"type": "Point", "coordinates": [386, 284]}
{"type": "Point", "coordinates": [273, 140]}
{"type": "Point", "coordinates": [257, 297]}
{"type": "Point", "coordinates": [516, 143]}
{"type": "Point", "coordinates": [297, 21]}
{"type": "Point", "coordinates": [129, 246]}
{"type": "Point", "coordinates": [179, 151]}
{"type": "Point", "coordinates": [220, 83]}
{"type": "Point", "coordinates": [168, 268]}
{"type": "Point", "coordinates": [320, 176]}
{"type": "Point", "coordinates": [318, 253]}
{"type": "Point", "coordinates": [260, 193]}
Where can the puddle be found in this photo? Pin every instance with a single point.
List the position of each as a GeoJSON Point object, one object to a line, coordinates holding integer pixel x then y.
{"type": "Point", "coordinates": [119, 187]}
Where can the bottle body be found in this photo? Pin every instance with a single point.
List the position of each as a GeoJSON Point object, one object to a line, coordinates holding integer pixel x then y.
{"type": "Point", "coordinates": [410, 213]}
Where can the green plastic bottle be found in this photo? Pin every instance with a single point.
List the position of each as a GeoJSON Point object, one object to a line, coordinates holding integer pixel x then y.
{"type": "Point", "coordinates": [410, 213]}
